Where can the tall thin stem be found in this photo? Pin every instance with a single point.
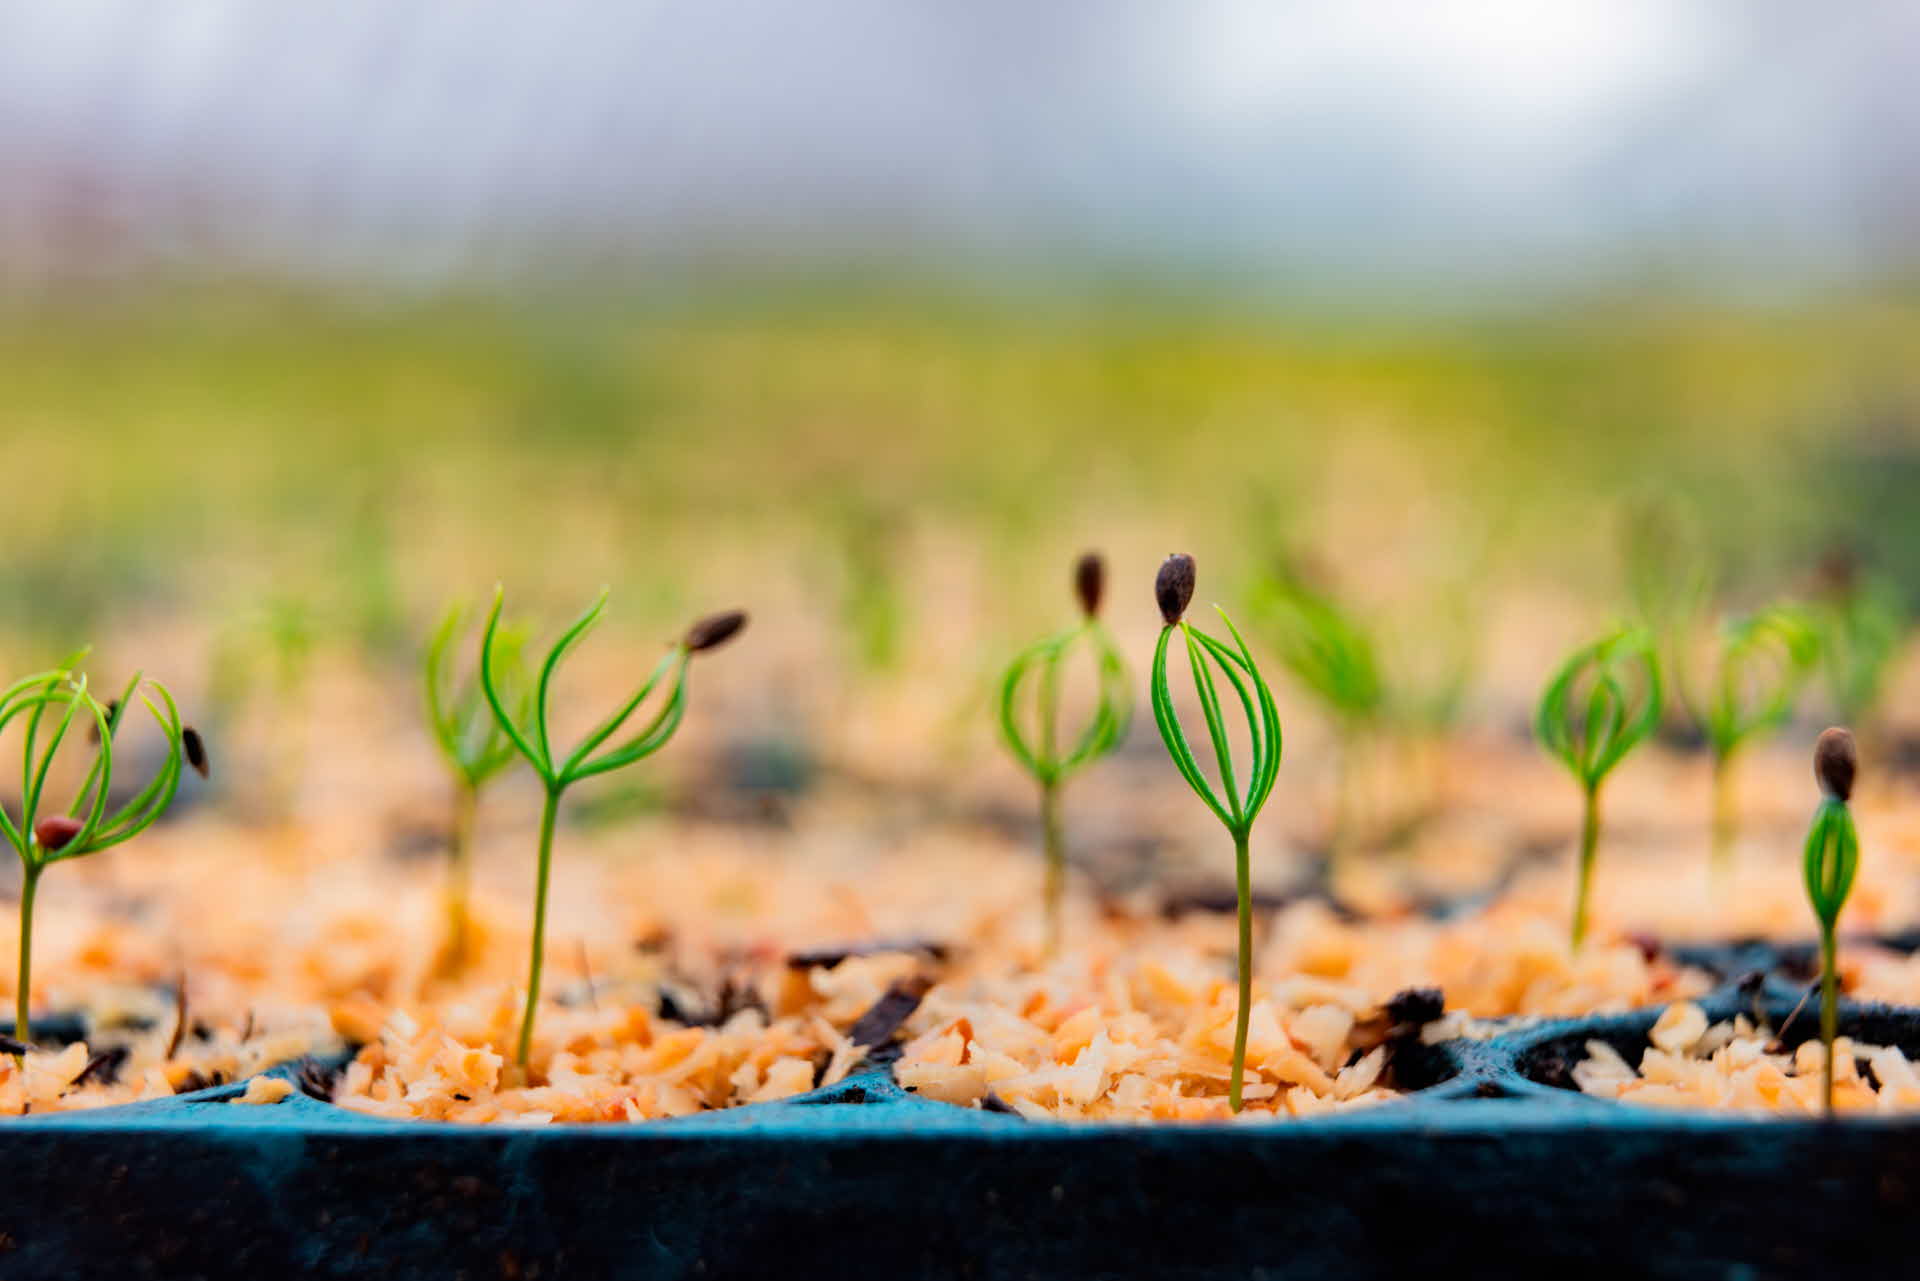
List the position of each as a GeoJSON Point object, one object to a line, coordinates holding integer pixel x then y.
{"type": "Point", "coordinates": [1829, 1011]}
{"type": "Point", "coordinates": [547, 814]}
{"type": "Point", "coordinates": [1589, 841]}
{"type": "Point", "coordinates": [1725, 817]}
{"type": "Point", "coordinates": [22, 1025]}
{"type": "Point", "coordinates": [1243, 882]}
{"type": "Point", "coordinates": [466, 799]}
{"type": "Point", "coordinates": [1056, 861]}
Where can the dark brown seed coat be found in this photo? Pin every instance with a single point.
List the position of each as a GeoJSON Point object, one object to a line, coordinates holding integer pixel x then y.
{"type": "Point", "coordinates": [196, 750]}
{"type": "Point", "coordinates": [715, 630]}
{"type": "Point", "coordinates": [1173, 586]}
{"type": "Point", "coordinates": [1090, 582]}
{"type": "Point", "coordinates": [1835, 761]}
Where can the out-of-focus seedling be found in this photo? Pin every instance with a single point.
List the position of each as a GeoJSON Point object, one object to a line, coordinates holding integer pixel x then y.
{"type": "Point", "coordinates": [1862, 627]}
{"type": "Point", "coordinates": [1039, 669]}
{"type": "Point", "coordinates": [1330, 653]}
{"type": "Point", "coordinates": [1601, 704]}
{"type": "Point", "coordinates": [535, 742]}
{"type": "Point", "coordinates": [873, 603]}
{"type": "Point", "coordinates": [258, 686]}
{"type": "Point", "coordinates": [1669, 571]}
{"type": "Point", "coordinates": [1832, 858]}
{"type": "Point", "coordinates": [1667, 566]}
{"type": "Point", "coordinates": [1762, 664]}
{"type": "Point", "coordinates": [475, 749]}
{"type": "Point", "coordinates": [44, 834]}
{"type": "Point", "coordinates": [1236, 808]}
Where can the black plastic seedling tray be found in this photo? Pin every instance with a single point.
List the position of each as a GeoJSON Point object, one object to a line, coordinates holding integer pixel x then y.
{"type": "Point", "coordinates": [1492, 1172]}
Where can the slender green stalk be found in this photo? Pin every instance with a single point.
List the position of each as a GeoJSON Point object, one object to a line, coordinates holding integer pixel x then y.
{"type": "Point", "coordinates": [529, 733]}
{"type": "Point", "coordinates": [1602, 703]}
{"type": "Point", "coordinates": [1831, 859]}
{"type": "Point", "coordinates": [1040, 753]}
{"type": "Point", "coordinates": [475, 750]}
{"type": "Point", "coordinates": [1589, 845]}
{"type": "Point", "coordinates": [1243, 888]}
{"type": "Point", "coordinates": [1236, 808]}
{"type": "Point", "coordinates": [22, 1023]}
{"type": "Point", "coordinates": [1726, 821]}
{"type": "Point", "coordinates": [1056, 861]}
{"type": "Point", "coordinates": [466, 801]}
{"type": "Point", "coordinates": [548, 812]}
{"type": "Point", "coordinates": [1829, 1009]}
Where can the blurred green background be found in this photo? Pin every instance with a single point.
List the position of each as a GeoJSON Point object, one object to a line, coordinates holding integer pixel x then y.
{"type": "Point", "coordinates": [203, 450]}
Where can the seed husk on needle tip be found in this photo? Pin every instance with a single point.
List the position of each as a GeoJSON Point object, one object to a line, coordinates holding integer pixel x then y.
{"type": "Point", "coordinates": [1173, 587]}
{"type": "Point", "coordinates": [1090, 582]}
{"type": "Point", "coordinates": [715, 630]}
{"type": "Point", "coordinates": [1835, 761]}
{"type": "Point", "coordinates": [195, 749]}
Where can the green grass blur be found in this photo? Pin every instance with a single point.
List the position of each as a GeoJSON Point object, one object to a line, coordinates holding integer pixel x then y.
{"type": "Point", "coordinates": [212, 450]}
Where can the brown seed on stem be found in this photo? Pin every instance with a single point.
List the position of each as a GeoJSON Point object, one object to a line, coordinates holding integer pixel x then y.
{"type": "Point", "coordinates": [1090, 582]}
{"type": "Point", "coordinates": [1173, 586]}
{"type": "Point", "coordinates": [714, 630]}
{"type": "Point", "coordinates": [1835, 760]}
{"type": "Point", "coordinates": [56, 831]}
{"type": "Point", "coordinates": [195, 749]}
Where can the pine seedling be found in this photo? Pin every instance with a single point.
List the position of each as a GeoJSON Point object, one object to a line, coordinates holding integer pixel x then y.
{"type": "Point", "coordinates": [1763, 663]}
{"type": "Point", "coordinates": [1331, 654]}
{"type": "Point", "coordinates": [1667, 565]}
{"type": "Point", "coordinates": [44, 834]}
{"type": "Point", "coordinates": [1234, 807]}
{"type": "Point", "coordinates": [1670, 573]}
{"type": "Point", "coordinates": [475, 749]}
{"type": "Point", "coordinates": [534, 741]}
{"type": "Point", "coordinates": [1040, 753]}
{"type": "Point", "coordinates": [1832, 858]}
{"type": "Point", "coordinates": [1862, 628]}
{"type": "Point", "coordinates": [1601, 704]}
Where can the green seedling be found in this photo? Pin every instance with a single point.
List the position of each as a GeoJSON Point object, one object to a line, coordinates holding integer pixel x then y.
{"type": "Point", "coordinates": [1666, 563]}
{"type": "Point", "coordinates": [531, 737]}
{"type": "Point", "coordinates": [44, 834]}
{"type": "Point", "coordinates": [475, 749]}
{"type": "Point", "coordinates": [258, 685]}
{"type": "Point", "coordinates": [873, 602]}
{"type": "Point", "coordinates": [1235, 808]}
{"type": "Point", "coordinates": [1331, 654]}
{"type": "Point", "coordinates": [1862, 628]}
{"type": "Point", "coordinates": [1040, 666]}
{"type": "Point", "coordinates": [1669, 569]}
{"type": "Point", "coordinates": [1763, 663]}
{"type": "Point", "coordinates": [1832, 858]}
{"type": "Point", "coordinates": [1602, 703]}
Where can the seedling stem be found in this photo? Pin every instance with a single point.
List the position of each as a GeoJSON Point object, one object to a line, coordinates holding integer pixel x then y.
{"type": "Point", "coordinates": [1589, 845]}
{"type": "Point", "coordinates": [549, 811]}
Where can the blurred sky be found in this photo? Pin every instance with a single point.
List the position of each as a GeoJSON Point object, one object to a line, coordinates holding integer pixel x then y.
{"type": "Point", "coordinates": [1759, 144]}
